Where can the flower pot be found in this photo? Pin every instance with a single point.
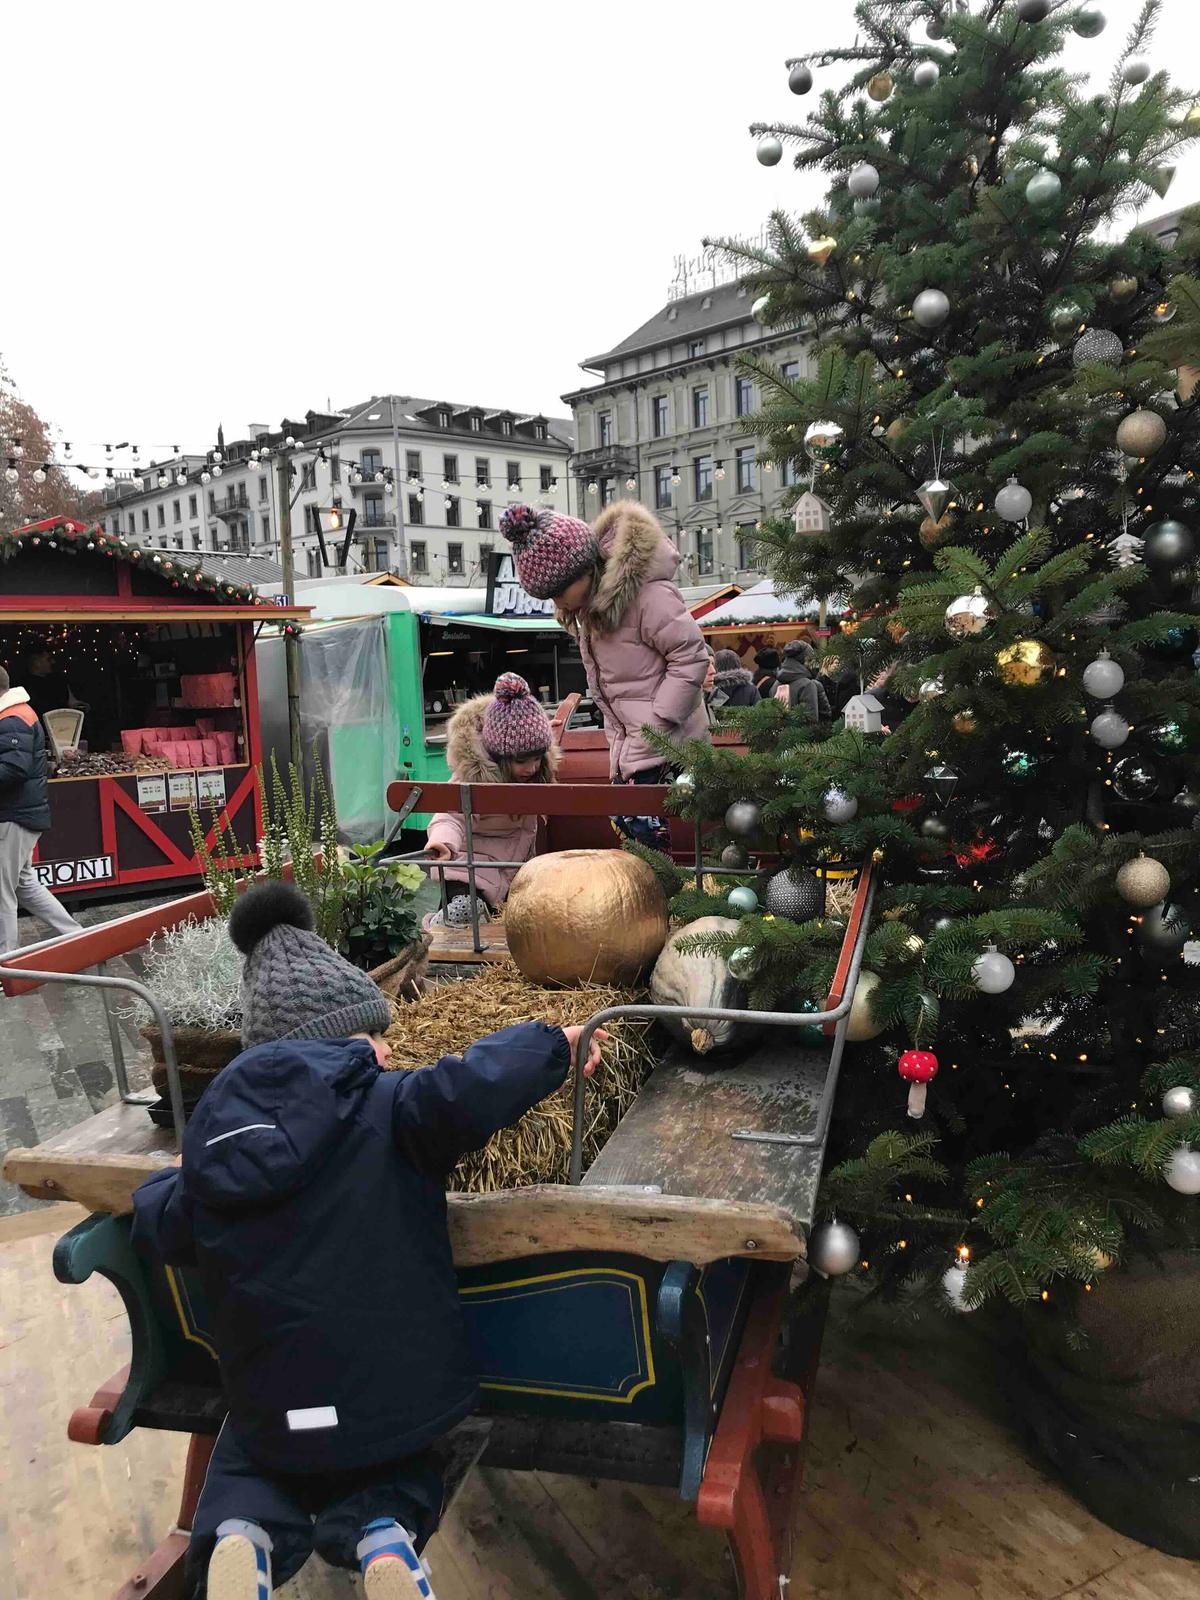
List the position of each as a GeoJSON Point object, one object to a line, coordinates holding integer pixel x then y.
{"type": "Point", "coordinates": [402, 978]}
{"type": "Point", "coordinates": [201, 1053]}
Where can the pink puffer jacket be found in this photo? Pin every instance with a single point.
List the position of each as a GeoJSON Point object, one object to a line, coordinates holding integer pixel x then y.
{"type": "Point", "coordinates": [644, 654]}
{"type": "Point", "coordinates": [495, 838]}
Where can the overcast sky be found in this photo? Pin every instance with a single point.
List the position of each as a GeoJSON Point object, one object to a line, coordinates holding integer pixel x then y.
{"type": "Point", "coordinates": [232, 212]}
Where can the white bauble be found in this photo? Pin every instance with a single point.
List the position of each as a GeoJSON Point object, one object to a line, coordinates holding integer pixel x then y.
{"type": "Point", "coordinates": [1183, 1171]}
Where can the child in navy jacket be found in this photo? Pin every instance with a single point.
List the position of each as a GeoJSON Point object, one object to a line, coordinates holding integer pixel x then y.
{"type": "Point", "coordinates": [311, 1198]}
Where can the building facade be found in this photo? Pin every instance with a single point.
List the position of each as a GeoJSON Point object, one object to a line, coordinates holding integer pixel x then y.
{"type": "Point", "coordinates": [428, 481]}
{"type": "Point", "coordinates": [664, 426]}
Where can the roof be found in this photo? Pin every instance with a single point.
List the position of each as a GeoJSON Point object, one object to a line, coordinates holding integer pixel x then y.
{"type": "Point", "coordinates": [867, 701]}
{"type": "Point", "coordinates": [236, 566]}
{"type": "Point", "coordinates": [502, 624]}
{"type": "Point", "coordinates": [371, 414]}
{"type": "Point", "coordinates": [682, 319]}
{"type": "Point", "coordinates": [338, 599]}
{"type": "Point", "coordinates": [759, 603]}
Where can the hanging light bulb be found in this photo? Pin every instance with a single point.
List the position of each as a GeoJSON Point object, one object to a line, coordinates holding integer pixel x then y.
{"type": "Point", "coordinates": [10, 472]}
{"type": "Point", "coordinates": [290, 441]}
{"type": "Point", "coordinates": [206, 477]}
{"type": "Point", "coordinates": [217, 469]}
{"type": "Point", "coordinates": [18, 449]}
{"type": "Point", "coordinates": [39, 475]}
{"type": "Point", "coordinates": [631, 483]}
{"type": "Point", "coordinates": [163, 480]}
{"type": "Point", "coordinates": [379, 477]}
{"type": "Point", "coordinates": [720, 472]}
{"type": "Point", "coordinates": [592, 488]}
{"type": "Point", "coordinates": [181, 477]}
{"type": "Point", "coordinates": [675, 478]}
{"type": "Point", "coordinates": [93, 472]}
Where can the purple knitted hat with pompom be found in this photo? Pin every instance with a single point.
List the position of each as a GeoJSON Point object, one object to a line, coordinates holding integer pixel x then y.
{"type": "Point", "coordinates": [514, 725]}
{"type": "Point", "coordinates": [550, 549]}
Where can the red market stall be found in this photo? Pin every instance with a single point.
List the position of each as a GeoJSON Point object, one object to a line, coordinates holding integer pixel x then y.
{"type": "Point", "coordinates": [155, 656]}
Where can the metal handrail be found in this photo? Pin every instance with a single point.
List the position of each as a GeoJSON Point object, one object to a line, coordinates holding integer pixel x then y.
{"type": "Point", "coordinates": [840, 1014]}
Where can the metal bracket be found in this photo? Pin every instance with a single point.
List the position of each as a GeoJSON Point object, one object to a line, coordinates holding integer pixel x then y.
{"type": "Point", "coordinates": [753, 1136]}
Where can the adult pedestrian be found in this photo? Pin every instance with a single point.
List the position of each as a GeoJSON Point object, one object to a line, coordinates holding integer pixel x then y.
{"type": "Point", "coordinates": [798, 684]}
{"type": "Point", "coordinates": [766, 665]}
{"type": "Point", "coordinates": [733, 684]}
{"type": "Point", "coordinates": [24, 816]}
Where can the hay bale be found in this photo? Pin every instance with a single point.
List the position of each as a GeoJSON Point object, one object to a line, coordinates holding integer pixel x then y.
{"type": "Point", "coordinates": [449, 1017]}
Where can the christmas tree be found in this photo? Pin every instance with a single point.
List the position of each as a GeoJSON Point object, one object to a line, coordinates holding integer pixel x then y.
{"type": "Point", "coordinates": [1001, 416]}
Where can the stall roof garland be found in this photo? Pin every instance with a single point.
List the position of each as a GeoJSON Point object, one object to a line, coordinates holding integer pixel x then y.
{"type": "Point", "coordinates": [60, 533]}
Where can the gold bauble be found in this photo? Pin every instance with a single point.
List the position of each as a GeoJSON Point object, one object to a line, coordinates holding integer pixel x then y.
{"type": "Point", "coordinates": [820, 250]}
{"type": "Point", "coordinates": [970, 167]}
{"type": "Point", "coordinates": [1122, 288]}
{"type": "Point", "coordinates": [1027, 662]}
{"type": "Point", "coordinates": [932, 534]}
{"type": "Point", "coordinates": [1186, 379]}
{"type": "Point", "coordinates": [879, 85]}
{"type": "Point", "coordinates": [1141, 433]}
{"type": "Point", "coordinates": [861, 1024]}
{"type": "Point", "coordinates": [964, 721]}
{"type": "Point", "coordinates": [1143, 882]}
{"type": "Point", "coordinates": [585, 916]}
{"type": "Point", "coordinates": [896, 429]}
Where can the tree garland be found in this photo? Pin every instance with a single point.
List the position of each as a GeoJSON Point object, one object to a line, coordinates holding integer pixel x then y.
{"type": "Point", "coordinates": [78, 541]}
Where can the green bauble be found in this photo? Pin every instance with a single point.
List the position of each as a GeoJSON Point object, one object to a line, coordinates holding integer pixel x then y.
{"type": "Point", "coordinates": [1017, 765]}
{"type": "Point", "coordinates": [1168, 737]}
{"type": "Point", "coordinates": [812, 1038]}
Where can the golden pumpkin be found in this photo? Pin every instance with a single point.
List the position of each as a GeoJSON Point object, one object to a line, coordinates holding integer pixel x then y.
{"type": "Point", "coordinates": [585, 916]}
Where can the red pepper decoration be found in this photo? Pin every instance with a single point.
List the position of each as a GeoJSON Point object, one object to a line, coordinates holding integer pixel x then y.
{"type": "Point", "coordinates": [918, 1068]}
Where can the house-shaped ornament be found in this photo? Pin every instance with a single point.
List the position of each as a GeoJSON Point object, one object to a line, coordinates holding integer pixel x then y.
{"type": "Point", "coordinates": [810, 514]}
{"type": "Point", "coordinates": [864, 714]}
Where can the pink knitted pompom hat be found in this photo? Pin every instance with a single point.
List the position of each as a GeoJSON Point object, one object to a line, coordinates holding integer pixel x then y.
{"type": "Point", "coordinates": [551, 549]}
{"type": "Point", "coordinates": [514, 725]}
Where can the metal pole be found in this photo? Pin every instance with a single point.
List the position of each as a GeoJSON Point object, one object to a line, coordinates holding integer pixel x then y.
{"type": "Point", "coordinates": [114, 1038]}
{"type": "Point", "coordinates": [398, 494]}
{"type": "Point", "coordinates": [469, 838]}
{"type": "Point", "coordinates": [291, 644]}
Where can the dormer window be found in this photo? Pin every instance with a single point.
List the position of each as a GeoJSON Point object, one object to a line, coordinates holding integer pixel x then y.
{"type": "Point", "coordinates": [506, 426]}
{"type": "Point", "coordinates": [443, 419]}
{"type": "Point", "coordinates": [476, 422]}
{"type": "Point", "coordinates": [539, 430]}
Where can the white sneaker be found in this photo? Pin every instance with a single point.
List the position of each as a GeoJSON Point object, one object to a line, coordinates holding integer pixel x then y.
{"type": "Point", "coordinates": [390, 1566]}
{"type": "Point", "coordinates": [240, 1565]}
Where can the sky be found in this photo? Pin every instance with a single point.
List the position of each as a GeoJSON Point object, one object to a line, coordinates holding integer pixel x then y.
{"type": "Point", "coordinates": [229, 213]}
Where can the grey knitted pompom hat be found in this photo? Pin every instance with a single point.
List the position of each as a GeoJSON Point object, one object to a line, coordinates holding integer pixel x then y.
{"type": "Point", "coordinates": [293, 985]}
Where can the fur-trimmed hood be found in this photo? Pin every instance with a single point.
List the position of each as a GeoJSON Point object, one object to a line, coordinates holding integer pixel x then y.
{"type": "Point", "coordinates": [469, 761]}
{"type": "Point", "coordinates": [731, 679]}
{"type": "Point", "coordinates": [635, 552]}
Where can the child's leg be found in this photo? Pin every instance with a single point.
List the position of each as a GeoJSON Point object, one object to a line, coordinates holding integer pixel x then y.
{"type": "Point", "coordinates": [408, 1492]}
{"type": "Point", "coordinates": [236, 1491]}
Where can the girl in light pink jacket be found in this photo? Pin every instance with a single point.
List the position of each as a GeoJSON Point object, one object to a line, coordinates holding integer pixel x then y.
{"type": "Point", "coordinates": [502, 737]}
{"type": "Point", "coordinates": [614, 587]}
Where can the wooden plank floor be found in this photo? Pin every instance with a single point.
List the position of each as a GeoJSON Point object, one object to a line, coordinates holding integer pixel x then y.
{"type": "Point", "coordinates": [456, 946]}
{"type": "Point", "coordinates": [917, 1487]}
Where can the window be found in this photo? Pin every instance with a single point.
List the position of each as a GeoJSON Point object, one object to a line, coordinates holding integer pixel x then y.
{"type": "Point", "coordinates": [454, 559]}
{"type": "Point", "coordinates": [262, 487]}
{"type": "Point", "coordinates": [483, 473]}
{"type": "Point", "coordinates": [176, 511]}
{"type": "Point", "coordinates": [192, 511]}
{"type": "Point", "coordinates": [791, 370]}
{"type": "Point", "coordinates": [745, 546]}
{"type": "Point", "coordinates": [476, 422]}
{"type": "Point", "coordinates": [485, 558]}
{"type": "Point", "coordinates": [212, 500]}
{"type": "Point", "coordinates": [265, 527]}
{"type": "Point", "coordinates": [604, 431]}
{"type": "Point", "coordinates": [695, 348]}
{"type": "Point", "coordinates": [704, 552]}
{"type": "Point", "coordinates": [416, 510]}
{"type": "Point", "coordinates": [443, 419]}
{"type": "Point", "coordinates": [195, 539]}
{"type": "Point", "coordinates": [700, 407]}
{"type": "Point", "coordinates": [485, 513]}
{"type": "Point", "coordinates": [791, 474]}
{"type": "Point", "coordinates": [162, 515]}
{"type": "Point", "coordinates": [608, 491]}
{"type": "Point", "coordinates": [146, 520]}
{"type": "Point", "coordinates": [513, 469]}
{"type": "Point", "coordinates": [308, 476]}
{"type": "Point", "coordinates": [371, 462]}
{"type": "Point", "coordinates": [702, 469]}
{"type": "Point", "coordinates": [418, 561]}
{"type": "Point", "coordinates": [506, 427]}
{"type": "Point", "coordinates": [743, 397]}
{"type": "Point", "coordinates": [662, 487]}
{"type": "Point", "coordinates": [132, 523]}
{"type": "Point", "coordinates": [412, 463]}
{"type": "Point", "coordinates": [313, 559]}
{"type": "Point", "coordinates": [312, 519]}
{"type": "Point", "coordinates": [116, 527]}
{"type": "Point", "coordinates": [373, 516]}
{"type": "Point", "coordinates": [545, 479]}
{"type": "Point", "coordinates": [381, 555]}
{"type": "Point", "coordinates": [539, 430]}
{"type": "Point", "coordinates": [450, 468]}
{"type": "Point", "coordinates": [659, 416]}
{"type": "Point", "coordinates": [747, 468]}
{"type": "Point", "coordinates": [453, 512]}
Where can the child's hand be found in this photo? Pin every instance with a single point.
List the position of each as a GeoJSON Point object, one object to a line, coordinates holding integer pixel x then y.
{"type": "Point", "coordinates": [439, 852]}
{"type": "Point", "coordinates": [593, 1057]}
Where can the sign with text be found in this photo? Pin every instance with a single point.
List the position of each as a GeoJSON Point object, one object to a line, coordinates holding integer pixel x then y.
{"type": "Point", "coordinates": [181, 790]}
{"type": "Point", "coordinates": [152, 792]}
{"type": "Point", "coordinates": [59, 874]}
{"type": "Point", "coordinates": [212, 790]}
{"type": "Point", "coordinates": [505, 596]}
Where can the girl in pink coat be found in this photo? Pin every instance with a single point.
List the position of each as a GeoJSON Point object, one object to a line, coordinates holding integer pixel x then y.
{"type": "Point", "coordinates": [614, 587]}
{"type": "Point", "coordinates": [502, 737]}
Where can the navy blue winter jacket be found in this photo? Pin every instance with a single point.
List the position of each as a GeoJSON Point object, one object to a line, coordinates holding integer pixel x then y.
{"type": "Point", "coordinates": [312, 1199]}
{"type": "Point", "coordinates": [24, 798]}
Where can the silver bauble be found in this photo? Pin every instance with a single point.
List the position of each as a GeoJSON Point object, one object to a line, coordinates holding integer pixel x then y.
{"type": "Point", "coordinates": [684, 783]}
{"type": "Point", "coordinates": [742, 899]}
{"type": "Point", "coordinates": [1168, 543]}
{"type": "Point", "coordinates": [1090, 22]}
{"type": "Point", "coordinates": [796, 894]}
{"type": "Point", "coordinates": [954, 1285]}
{"type": "Point", "coordinates": [935, 494]}
{"type": "Point", "coordinates": [838, 806]}
{"type": "Point", "coordinates": [1110, 730]}
{"type": "Point", "coordinates": [1033, 10]}
{"type": "Point", "coordinates": [1043, 189]}
{"type": "Point", "coordinates": [1136, 70]}
{"type": "Point", "coordinates": [1136, 778]}
{"type": "Point", "coordinates": [1182, 1171]}
{"type": "Point", "coordinates": [832, 1249]}
{"type": "Point", "coordinates": [862, 1022]}
{"type": "Point", "coordinates": [1143, 882]}
{"type": "Point", "coordinates": [770, 151]}
{"type": "Point", "coordinates": [741, 961]}
{"type": "Point", "coordinates": [760, 308]}
{"type": "Point", "coordinates": [931, 308]}
{"type": "Point", "coordinates": [1013, 501]}
{"type": "Point", "coordinates": [1162, 932]}
{"type": "Point", "coordinates": [1098, 344]}
{"type": "Point", "coordinates": [800, 79]}
{"type": "Point", "coordinates": [1180, 1101]}
{"type": "Point", "coordinates": [1103, 677]}
{"type": "Point", "coordinates": [993, 972]}
{"type": "Point", "coordinates": [969, 614]}
{"type": "Point", "coordinates": [930, 689]}
{"type": "Point", "coordinates": [1141, 433]}
{"type": "Point", "coordinates": [926, 74]}
{"type": "Point", "coordinates": [863, 180]}
{"type": "Point", "coordinates": [825, 442]}
{"type": "Point", "coordinates": [735, 856]}
{"type": "Point", "coordinates": [744, 818]}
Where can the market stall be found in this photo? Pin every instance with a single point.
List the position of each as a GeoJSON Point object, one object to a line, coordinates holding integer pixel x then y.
{"type": "Point", "coordinates": [142, 669]}
{"type": "Point", "coordinates": [760, 619]}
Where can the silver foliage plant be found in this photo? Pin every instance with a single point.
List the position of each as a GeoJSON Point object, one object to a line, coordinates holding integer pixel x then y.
{"type": "Point", "coordinates": [194, 971]}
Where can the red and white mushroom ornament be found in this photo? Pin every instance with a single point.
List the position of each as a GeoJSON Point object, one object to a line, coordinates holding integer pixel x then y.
{"type": "Point", "coordinates": [918, 1068]}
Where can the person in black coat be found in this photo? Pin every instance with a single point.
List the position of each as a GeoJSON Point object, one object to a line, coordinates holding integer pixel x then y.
{"type": "Point", "coordinates": [802, 685]}
{"type": "Point", "coordinates": [311, 1197]}
{"type": "Point", "coordinates": [24, 817]}
{"type": "Point", "coordinates": [733, 684]}
{"type": "Point", "coordinates": [766, 663]}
